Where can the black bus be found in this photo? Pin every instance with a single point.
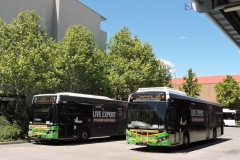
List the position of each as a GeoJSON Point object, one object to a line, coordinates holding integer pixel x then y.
{"type": "Point", "coordinates": [72, 116]}
{"type": "Point", "coordinates": [162, 116]}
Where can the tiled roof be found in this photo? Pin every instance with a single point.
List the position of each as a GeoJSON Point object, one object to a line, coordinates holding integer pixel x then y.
{"type": "Point", "coordinates": [206, 80]}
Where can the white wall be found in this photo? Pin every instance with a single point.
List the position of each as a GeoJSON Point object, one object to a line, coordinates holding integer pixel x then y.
{"type": "Point", "coordinates": [74, 12]}
{"type": "Point", "coordinates": [57, 16]}
{"type": "Point", "coordinates": [9, 9]}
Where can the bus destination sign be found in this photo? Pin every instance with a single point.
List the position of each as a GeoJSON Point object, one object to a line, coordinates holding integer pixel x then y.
{"type": "Point", "coordinates": [49, 99]}
{"type": "Point", "coordinates": [149, 97]}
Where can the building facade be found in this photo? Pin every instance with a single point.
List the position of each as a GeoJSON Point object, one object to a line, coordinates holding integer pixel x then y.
{"type": "Point", "coordinates": [207, 85]}
{"type": "Point", "coordinates": [57, 16]}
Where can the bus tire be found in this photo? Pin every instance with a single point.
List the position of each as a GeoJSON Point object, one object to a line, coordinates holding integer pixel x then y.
{"type": "Point", "coordinates": [186, 139]}
{"type": "Point", "coordinates": [214, 135]}
{"type": "Point", "coordinates": [84, 135]}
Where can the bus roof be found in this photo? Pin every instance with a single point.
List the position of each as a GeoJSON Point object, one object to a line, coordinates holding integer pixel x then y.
{"type": "Point", "coordinates": [229, 110]}
{"type": "Point", "coordinates": [160, 89]}
{"type": "Point", "coordinates": [75, 95]}
{"type": "Point", "coordinates": [69, 97]}
{"type": "Point", "coordinates": [173, 93]}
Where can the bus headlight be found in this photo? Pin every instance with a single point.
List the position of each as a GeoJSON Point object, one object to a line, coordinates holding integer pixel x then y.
{"type": "Point", "coordinates": [50, 131]}
{"type": "Point", "coordinates": [128, 136]}
{"type": "Point", "coordinates": [163, 139]}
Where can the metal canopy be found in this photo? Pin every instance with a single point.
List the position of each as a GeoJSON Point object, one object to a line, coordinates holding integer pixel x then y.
{"type": "Point", "coordinates": [224, 13]}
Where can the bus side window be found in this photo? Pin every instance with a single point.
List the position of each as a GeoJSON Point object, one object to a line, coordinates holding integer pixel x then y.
{"type": "Point", "coordinates": [120, 113]}
{"type": "Point", "coordinates": [183, 113]}
{"type": "Point", "coordinates": [83, 110]}
{"type": "Point", "coordinates": [62, 114]}
{"type": "Point", "coordinates": [71, 113]}
{"type": "Point", "coordinates": [171, 117]}
{"type": "Point", "coordinates": [186, 114]}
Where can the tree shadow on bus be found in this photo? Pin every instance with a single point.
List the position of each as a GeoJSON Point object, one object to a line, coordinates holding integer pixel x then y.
{"type": "Point", "coordinates": [75, 142]}
{"type": "Point", "coordinates": [182, 149]}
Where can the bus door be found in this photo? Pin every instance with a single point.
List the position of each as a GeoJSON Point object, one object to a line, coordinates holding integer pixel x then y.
{"type": "Point", "coordinates": [82, 119]}
{"type": "Point", "coordinates": [70, 120]}
{"type": "Point", "coordinates": [207, 114]}
{"type": "Point", "coordinates": [173, 125]}
{"type": "Point", "coordinates": [66, 120]}
{"type": "Point", "coordinates": [120, 121]}
{"type": "Point", "coordinates": [62, 112]}
{"type": "Point", "coordinates": [78, 117]}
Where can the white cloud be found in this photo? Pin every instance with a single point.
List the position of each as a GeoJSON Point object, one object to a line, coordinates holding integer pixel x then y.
{"type": "Point", "coordinates": [169, 64]}
{"type": "Point", "coordinates": [183, 37]}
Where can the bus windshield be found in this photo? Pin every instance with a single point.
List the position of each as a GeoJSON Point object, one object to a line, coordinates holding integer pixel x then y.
{"type": "Point", "coordinates": [146, 115]}
{"type": "Point", "coordinates": [43, 113]}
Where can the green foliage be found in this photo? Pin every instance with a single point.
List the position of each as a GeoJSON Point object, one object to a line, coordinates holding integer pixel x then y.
{"type": "Point", "coordinates": [228, 92]}
{"type": "Point", "coordinates": [8, 132]}
{"type": "Point", "coordinates": [22, 42]}
{"type": "Point", "coordinates": [3, 121]}
{"type": "Point", "coordinates": [6, 110]}
{"type": "Point", "coordinates": [132, 64]}
{"type": "Point", "coordinates": [191, 86]}
{"type": "Point", "coordinates": [18, 119]}
{"type": "Point", "coordinates": [238, 122]}
{"type": "Point", "coordinates": [81, 67]}
{"type": "Point", "coordinates": [26, 58]}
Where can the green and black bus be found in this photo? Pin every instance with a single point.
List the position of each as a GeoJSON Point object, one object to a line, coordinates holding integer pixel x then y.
{"type": "Point", "coordinates": [72, 116]}
{"type": "Point", "coordinates": [162, 116]}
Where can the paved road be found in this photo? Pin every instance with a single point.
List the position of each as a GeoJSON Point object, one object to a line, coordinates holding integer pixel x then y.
{"type": "Point", "coordinates": [226, 147]}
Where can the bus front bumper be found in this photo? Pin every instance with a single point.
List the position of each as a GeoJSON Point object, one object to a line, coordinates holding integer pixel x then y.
{"type": "Point", "coordinates": [158, 139]}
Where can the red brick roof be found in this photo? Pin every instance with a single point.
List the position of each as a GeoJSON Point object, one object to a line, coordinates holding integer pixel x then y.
{"type": "Point", "coordinates": [206, 80]}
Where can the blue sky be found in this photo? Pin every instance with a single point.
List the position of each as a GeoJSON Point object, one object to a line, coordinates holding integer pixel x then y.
{"type": "Point", "coordinates": [185, 38]}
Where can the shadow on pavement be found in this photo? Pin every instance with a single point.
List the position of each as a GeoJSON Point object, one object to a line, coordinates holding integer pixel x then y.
{"type": "Point", "coordinates": [90, 141]}
{"type": "Point", "coordinates": [179, 149]}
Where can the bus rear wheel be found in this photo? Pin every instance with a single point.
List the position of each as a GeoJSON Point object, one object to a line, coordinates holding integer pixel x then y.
{"type": "Point", "coordinates": [186, 139]}
{"type": "Point", "coordinates": [83, 135]}
{"type": "Point", "coordinates": [214, 135]}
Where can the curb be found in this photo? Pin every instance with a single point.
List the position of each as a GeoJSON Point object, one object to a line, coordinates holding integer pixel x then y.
{"type": "Point", "coordinates": [12, 142]}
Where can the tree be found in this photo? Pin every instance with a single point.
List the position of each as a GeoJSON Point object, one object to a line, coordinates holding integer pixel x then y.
{"type": "Point", "coordinates": [228, 92]}
{"type": "Point", "coordinates": [26, 56]}
{"type": "Point", "coordinates": [132, 64]}
{"type": "Point", "coordinates": [191, 86]}
{"type": "Point", "coordinates": [164, 73]}
{"type": "Point", "coordinates": [82, 64]}
{"type": "Point", "coordinates": [26, 59]}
